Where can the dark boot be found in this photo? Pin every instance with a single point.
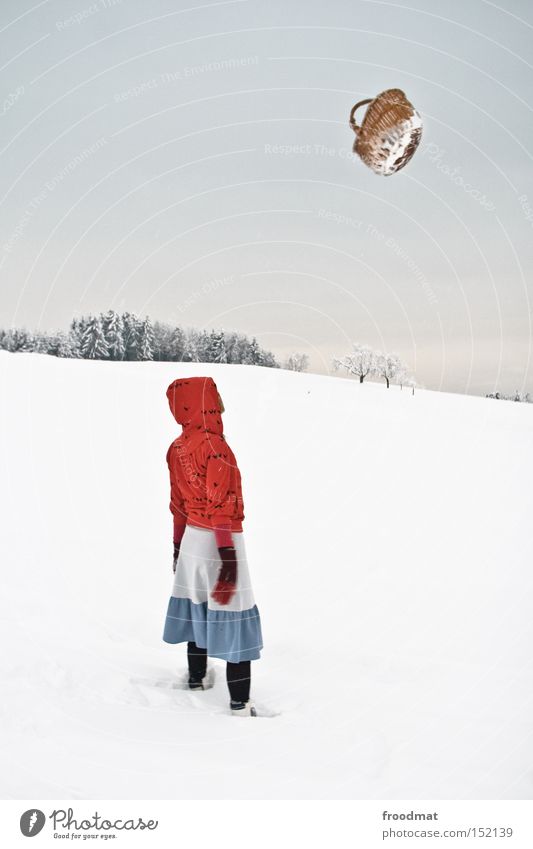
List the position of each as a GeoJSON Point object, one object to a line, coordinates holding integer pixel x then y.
{"type": "Point", "coordinates": [197, 660]}
{"type": "Point", "coordinates": [238, 676]}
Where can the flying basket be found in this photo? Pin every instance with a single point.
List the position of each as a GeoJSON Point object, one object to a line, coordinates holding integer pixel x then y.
{"type": "Point", "coordinates": [390, 132]}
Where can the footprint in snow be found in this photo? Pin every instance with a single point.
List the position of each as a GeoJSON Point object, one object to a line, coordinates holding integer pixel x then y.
{"type": "Point", "coordinates": [179, 682]}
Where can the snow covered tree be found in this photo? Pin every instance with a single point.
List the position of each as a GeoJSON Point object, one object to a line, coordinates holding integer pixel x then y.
{"type": "Point", "coordinates": [232, 347]}
{"type": "Point", "coordinates": [361, 362]}
{"type": "Point", "coordinates": [77, 326]}
{"type": "Point", "coordinates": [28, 345]}
{"type": "Point", "coordinates": [200, 342]}
{"type": "Point", "coordinates": [252, 353]}
{"type": "Point", "coordinates": [217, 347]}
{"type": "Point", "coordinates": [114, 334]}
{"type": "Point", "coordinates": [390, 367]}
{"type": "Point", "coordinates": [146, 341]}
{"type": "Point", "coordinates": [163, 347]}
{"type": "Point", "coordinates": [296, 362]}
{"type": "Point", "coordinates": [131, 335]}
{"type": "Point", "coordinates": [236, 344]}
{"type": "Point", "coordinates": [177, 345]}
{"type": "Point", "coordinates": [17, 339]}
{"type": "Point", "coordinates": [190, 350]}
{"type": "Point", "coordinates": [66, 346]}
{"type": "Point", "coordinates": [57, 345]}
{"type": "Point", "coordinates": [269, 360]}
{"type": "Point", "coordinates": [93, 343]}
{"type": "Point", "coordinates": [44, 344]}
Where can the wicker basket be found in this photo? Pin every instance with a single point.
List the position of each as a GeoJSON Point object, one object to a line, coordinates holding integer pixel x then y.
{"type": "Point", "coordinates": [389, 133]}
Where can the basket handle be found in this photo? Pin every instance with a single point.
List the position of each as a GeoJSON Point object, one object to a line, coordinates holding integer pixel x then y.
{"type": "Point", "coordinates": [353, 125]}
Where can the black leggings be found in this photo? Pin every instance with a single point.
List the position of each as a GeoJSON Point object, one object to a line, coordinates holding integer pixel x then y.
{"type": "Point", "coordinates": [238, 675]}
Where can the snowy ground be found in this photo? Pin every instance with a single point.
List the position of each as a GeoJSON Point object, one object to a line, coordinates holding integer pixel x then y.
{"type": "Point", "coordinates": [389, 544]}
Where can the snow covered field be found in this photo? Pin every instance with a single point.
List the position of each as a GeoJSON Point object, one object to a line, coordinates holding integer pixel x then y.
{"type": "Point", "coordinates": [388, 538]}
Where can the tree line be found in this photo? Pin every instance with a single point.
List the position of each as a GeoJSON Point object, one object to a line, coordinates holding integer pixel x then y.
{"type": "Point", "coordinates": [125, 336]}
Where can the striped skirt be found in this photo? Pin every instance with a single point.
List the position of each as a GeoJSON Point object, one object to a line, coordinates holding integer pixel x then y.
{"type": "Point", "coordinates": [232, 631]}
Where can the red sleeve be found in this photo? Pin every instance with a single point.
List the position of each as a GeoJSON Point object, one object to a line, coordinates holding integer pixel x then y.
{"type": "Point", "coordinates": [179, 530]}
{"type": "Point", "coordinates": [223, 535]}
{"type": "Point", "coordinates": [220, 504]}
{"type": "Point", "coordinates": [177, 506]}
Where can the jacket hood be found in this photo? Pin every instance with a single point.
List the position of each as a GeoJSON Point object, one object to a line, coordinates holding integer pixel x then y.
{"type": "Point", "coordinates": [194, 403]}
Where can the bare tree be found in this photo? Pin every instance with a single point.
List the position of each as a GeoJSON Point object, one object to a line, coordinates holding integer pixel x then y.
{"type": "Point", "coordinates": [390, 367]}
{"type": "Point", "coordinates": [361, 362]}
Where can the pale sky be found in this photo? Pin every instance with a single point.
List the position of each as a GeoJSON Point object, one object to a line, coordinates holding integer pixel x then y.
{"type": "Point", "coordinates": [193, 162]}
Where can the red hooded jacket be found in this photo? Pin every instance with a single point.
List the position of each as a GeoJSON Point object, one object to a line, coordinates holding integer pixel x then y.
{"type": "Point", "coordinates": [205, 482]}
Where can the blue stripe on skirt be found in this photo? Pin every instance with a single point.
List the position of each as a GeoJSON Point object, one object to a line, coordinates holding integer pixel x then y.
{"type": "Point", "coordinates": [232, 635]}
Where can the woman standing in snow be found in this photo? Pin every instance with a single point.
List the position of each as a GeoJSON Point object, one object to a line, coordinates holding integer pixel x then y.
{"type": "Point", "coordinates": [212, 604]}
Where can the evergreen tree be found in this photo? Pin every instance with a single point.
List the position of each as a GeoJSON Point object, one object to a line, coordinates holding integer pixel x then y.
{"type": "Point", "coordinates": [196, 346]}
{"type": "Point", "coordinates": [217, 347]}
{"type": "Point", "coordinates": [65, 346]}
{"type": "Point", "coordinates": [29, 341]}
{"type": "Point", "coordinates": [76, 334]}
{"type": "Point", "coordinates": [146, 342]}
{"type": "Point", "coordinates": [190, 353]}
{"type": "Point", "coordinates": [132, 330]}
{"type": "Point", "coordinates": [44, 344]}
{"type": "Point", "coordinates": [252, 353]}
{"type": "Point", "coordinates": [93, 343]}
{"type": "Point", "coordinates": [114, 335]}
{"type": "Point", "coordinates": [126, 337]}
{"type": "Point", "coordinates": [269, 360]}
{"type": "Point", "coordinates": [162, 341]}
{"type": "Point", "coordinates": [232, 347]}
{"type": "Point", "coordinates": [177, 345]}
{"type": "Point", "coordinates": [240, 348]}
{"type": "Point", "coordinates": [16, 339]}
